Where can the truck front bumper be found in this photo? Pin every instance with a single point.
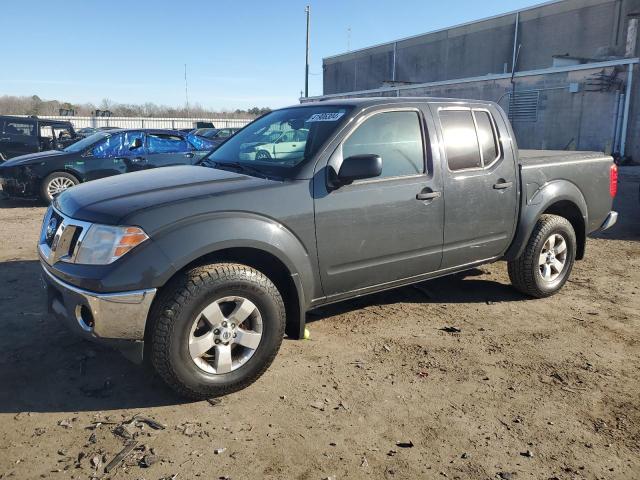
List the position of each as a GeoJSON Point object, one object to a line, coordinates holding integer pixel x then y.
{"type": "Point", "coordinates": [116, 319]}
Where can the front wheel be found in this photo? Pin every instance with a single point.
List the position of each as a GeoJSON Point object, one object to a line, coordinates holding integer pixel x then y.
{"type": "Point", "coordinates": [263, 155]}
{"type": "Point", "coordinates": [55, 184]}
{"type": "Point", "coordinates": [544, 266]}
{"type": "Point", "coordinates": [216, 329]}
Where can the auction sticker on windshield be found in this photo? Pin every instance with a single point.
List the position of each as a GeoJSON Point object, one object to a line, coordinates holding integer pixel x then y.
{"type": "Point", "coordinates": [325, 117]}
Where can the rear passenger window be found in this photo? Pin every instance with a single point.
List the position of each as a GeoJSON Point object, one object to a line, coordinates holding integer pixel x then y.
{"type": "Point", "coordinates": [487, 137]}
{"type": "Point", "coordinates": [19, 128]}
{"type": "Point", "coordinates": [166, 143]}
{"type": "Point", "coordinates": [460, 139]}
{"type": "Point", "coordinates": [396, 137]}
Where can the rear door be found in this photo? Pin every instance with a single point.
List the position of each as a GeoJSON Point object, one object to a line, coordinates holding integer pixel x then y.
{"type": "Point", "coordinates": [18, 137]}
{"type": "Point", "coordinates": [166, 149]}
{"type": "Point", "coordinates": [377, 231]}
{"type": "Point", "coordinates": [480, 183]}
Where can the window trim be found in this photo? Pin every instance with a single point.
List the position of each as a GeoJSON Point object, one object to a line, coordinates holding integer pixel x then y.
{"type": "Point", "coordinates": [360, 121]}
{"type": "Point", "coordinates": [482, 166]}
{"type": "Point", "coordinates": [496, 137]}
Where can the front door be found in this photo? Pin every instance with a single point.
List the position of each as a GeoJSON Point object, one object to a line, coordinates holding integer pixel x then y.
{"type": "Point", "coordinates": [381, 230]}
{"type": "Point", "coordinates": [118, 153]}
{"type": "Point", "coordinates": [480, 185]}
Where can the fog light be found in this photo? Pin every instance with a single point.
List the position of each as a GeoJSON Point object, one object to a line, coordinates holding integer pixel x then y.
{"type": "Point", "coordinates": [85, 317]}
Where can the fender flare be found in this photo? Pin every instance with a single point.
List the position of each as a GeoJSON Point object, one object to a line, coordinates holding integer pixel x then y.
{"type": "Point", "coordinates": [546, 197]}
{"type": "Point", "coordinates": [187, 241]}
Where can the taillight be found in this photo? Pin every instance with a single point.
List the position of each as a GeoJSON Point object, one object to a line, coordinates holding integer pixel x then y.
{"type": "Point", "coordinates": [613, 180]}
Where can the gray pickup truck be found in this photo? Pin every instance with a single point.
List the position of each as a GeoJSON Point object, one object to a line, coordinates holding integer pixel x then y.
{"type": "Point", "coordinates": [202, 269]}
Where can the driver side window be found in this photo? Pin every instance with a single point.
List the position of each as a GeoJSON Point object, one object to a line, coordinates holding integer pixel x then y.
{"type": "Point", "coordinates": [109, 147]}
{"type": "Point", "coordinates": [396, 137]}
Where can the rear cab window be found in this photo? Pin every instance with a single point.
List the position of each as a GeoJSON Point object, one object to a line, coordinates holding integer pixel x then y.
{"type": "Point", "coordinates": [470, 138]}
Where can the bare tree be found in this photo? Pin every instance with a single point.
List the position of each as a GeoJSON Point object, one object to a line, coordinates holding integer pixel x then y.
{"type": "Point", "coordinates": [34, 105]}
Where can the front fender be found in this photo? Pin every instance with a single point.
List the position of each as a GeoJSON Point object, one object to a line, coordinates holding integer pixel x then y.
{"type": "Point", "coordinates": [537, 203]}
{"type": "Point", "coordinates": [186, 241]}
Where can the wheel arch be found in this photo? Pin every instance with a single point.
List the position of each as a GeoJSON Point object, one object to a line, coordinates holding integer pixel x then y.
{"type": "Point", "coordinates": [561, 198]}
{"type": "Point", "coordinates": [250, 240]}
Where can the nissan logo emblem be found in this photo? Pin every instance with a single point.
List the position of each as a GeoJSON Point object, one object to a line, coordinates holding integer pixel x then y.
{"type": "Point", "coordinates": [51, 228]}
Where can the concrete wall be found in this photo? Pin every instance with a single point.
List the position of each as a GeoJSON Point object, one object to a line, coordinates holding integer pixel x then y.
{"type": "Point", "coordinates": [582, 28]}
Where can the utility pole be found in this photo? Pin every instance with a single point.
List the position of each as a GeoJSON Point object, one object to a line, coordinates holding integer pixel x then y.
{"type": "Point", "coordinates": [349, 39]}
{"type": "Point", "coordinates": [186, 88]}
{"type": "Point", "coordinates": [306, 65]}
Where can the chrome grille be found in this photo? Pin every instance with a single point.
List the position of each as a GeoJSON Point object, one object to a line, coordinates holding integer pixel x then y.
{"type": "Point", "coordinates": [60, 237]}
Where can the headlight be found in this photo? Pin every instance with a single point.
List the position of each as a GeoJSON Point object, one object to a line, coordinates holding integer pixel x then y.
{"type": "Point", "coordinates": [104, 244]}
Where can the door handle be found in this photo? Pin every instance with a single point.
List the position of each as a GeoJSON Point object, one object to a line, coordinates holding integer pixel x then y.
{"type": "Point", "coordinates": [188, 155]}
{"type": "Point", "coordinates": [428, 195]}
{"type": "Point", "coordinates": [502, 185]}
{"type": "Point", "coordinates": [137, 160]}
{"type": "Point", "coordinates": [5, 138]}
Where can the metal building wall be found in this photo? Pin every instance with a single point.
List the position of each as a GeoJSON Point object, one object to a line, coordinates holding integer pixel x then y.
{"type": "Point", "coordinates": [594, 29]}
{"type": "Point", "coordinates": [575, 108]}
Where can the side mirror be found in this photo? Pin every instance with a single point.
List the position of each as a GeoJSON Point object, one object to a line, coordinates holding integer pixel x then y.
{"type": "Point", "coordinates": [358, 167]}
{"type": "Point", "coordinates": [137, 143]}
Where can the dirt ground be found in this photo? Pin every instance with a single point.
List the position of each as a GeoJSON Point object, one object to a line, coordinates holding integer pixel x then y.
{"type": "Point", "coordinates": [540, 389]}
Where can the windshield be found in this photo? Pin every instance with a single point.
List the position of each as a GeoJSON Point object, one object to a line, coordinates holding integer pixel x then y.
{"type": "Point", "coordinates": [85, 143]}
{"type": "Point", "coordinates": [281, 140]}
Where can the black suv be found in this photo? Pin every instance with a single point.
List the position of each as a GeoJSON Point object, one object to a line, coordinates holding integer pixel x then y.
{"type": "Point", "coordinates": [22, 135]}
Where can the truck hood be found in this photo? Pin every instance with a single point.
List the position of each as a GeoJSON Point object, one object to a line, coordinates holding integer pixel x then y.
{"type": "Point", "coordinates": [32, 158]}
{"type": "Point", "coordinates": [111, 200]}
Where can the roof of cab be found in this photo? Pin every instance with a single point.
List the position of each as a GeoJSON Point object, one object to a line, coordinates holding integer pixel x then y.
{"type": "Point", "coordinates": [36, 119]}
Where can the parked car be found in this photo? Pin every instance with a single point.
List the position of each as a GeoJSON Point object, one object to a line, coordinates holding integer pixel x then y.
{"type": "Point", "coordinates": [22, 135]}
{"type": "Point", "coordinates": [278, 145]}
{"type": "Point", "coordinates": [218, 135]}
{"type": "Point", "coordinates": [105, 153]}
{"type": "Point", "coordinates": [86, 131]}
{"type": "Point", "coordinates": [202, 269]}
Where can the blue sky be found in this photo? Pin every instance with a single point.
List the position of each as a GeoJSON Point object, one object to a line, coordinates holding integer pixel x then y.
{"type": "Point", "coordinates": [239, 54]}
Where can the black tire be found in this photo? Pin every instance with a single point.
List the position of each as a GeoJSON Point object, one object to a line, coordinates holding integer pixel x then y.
{"type": "Point", "coordinates": [45, 192]}
{"type": "Point", "coordinates": [525, 271]}
{"type": "Point", "coordinates": [175, 311]}
{"type": "Point", "coordinates": [263, 155]}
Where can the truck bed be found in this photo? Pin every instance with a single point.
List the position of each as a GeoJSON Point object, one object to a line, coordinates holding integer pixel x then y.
{"type": "Point", "coordinates": [588, 171]}
{"type": "Point", "coordinates": [541, 157]}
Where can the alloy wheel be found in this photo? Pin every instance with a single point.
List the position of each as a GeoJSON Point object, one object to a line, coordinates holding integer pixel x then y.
{"type": "Point", "coordinates": [57, 185]}
{"type": "Point", "coordinates": [225, 335]}
{"type": "Point", "coordinates": [553, 257]}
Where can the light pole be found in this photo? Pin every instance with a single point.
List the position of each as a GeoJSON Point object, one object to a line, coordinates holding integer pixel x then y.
{"type": "Point", "coordinates": [306, 64]}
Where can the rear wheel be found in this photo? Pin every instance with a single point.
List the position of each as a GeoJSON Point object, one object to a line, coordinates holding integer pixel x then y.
{"type": "Point", "coordinates": [547, 261]}
{"type": "Point", "coordinates": [55, 184]}
{"type": "Point", "coordinates": [216, 329]}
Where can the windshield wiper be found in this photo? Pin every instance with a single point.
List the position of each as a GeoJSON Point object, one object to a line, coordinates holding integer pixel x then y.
{"type": "Point", "coordinates": [240, 167]}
